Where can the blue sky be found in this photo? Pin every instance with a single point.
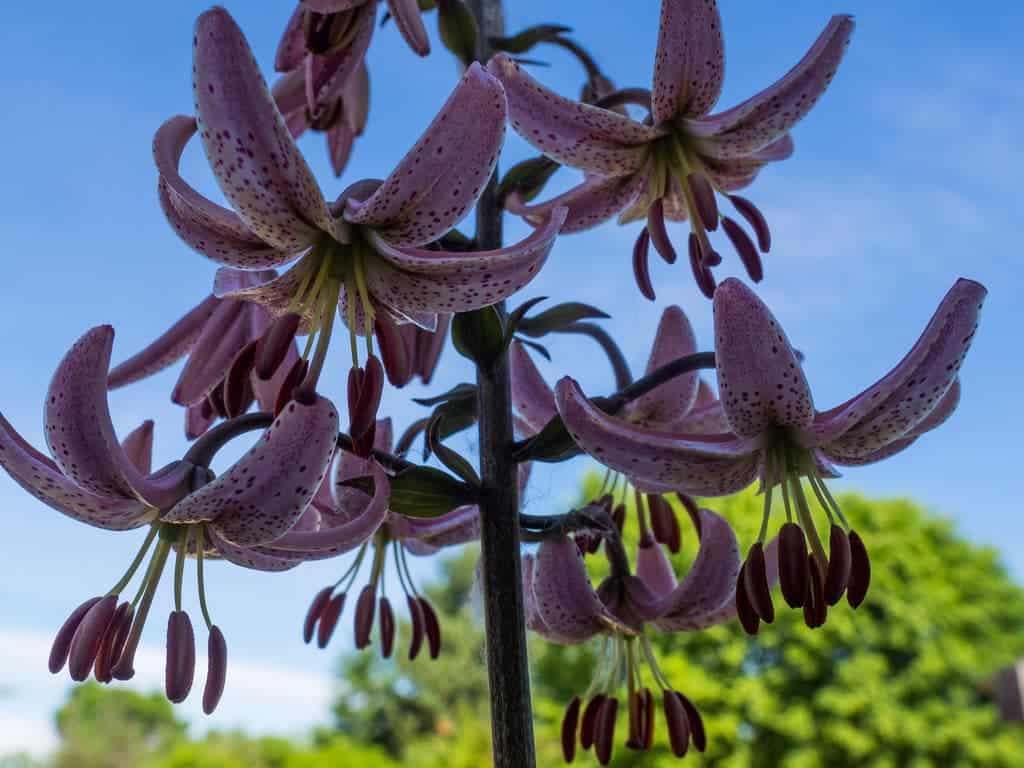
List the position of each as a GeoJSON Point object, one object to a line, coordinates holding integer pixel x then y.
{"type": "Point", "coordinates": [903, 179]}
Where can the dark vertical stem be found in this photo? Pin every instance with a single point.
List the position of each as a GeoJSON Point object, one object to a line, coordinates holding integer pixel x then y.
{"type": "Point", "coordinates": [507, 665]}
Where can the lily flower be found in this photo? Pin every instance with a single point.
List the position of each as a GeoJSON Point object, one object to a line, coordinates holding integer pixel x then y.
{"type": "Point", "coordinates": [97, 480]}
{"type": "Point", "coordinates": [562, 605]}
{"type": "Point", "coordinates": [776, 435]}
{"type": "Point", "coordinates": [218, 336]}
{"type": "Point", "coordinates": [683, 404]}
{"type": "Point", "coordinates": [362, 255]}
{"type": "Point", "coordinates": [673, 165]}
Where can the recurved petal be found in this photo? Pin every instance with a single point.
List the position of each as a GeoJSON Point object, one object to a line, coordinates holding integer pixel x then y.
{"type": "Point", "coordinates": [38, 475]}
{"type": "Point", "coordinates": [330, 6]}
{"type": "Point", "coordinates": [262, 495]}
{"type": "Point", "coordinates": [226, 332]}
{"type": "Point", "coordinates": [673, 399]}
{"type": "Point", "coordinates": [167, 349]}
{"type": "Point", "coordinates": [138, 447]}
{"type": "Point", "coordinates": [424, 536]}
{"type": "Point", "coordinates": [251, 557]}
{"type": "Point", "coordinates": [275, 293]}
{"type": "Point", "coordinates": [591, 203]}
{"type": "Point", "coordinates": [291, 49]}
{"type": "Point", "coordinates": [689, 62]}
{"type": "Point", "coordinates": [906, 396]}
{"type": "Point", "coordinates": [765, 117]}
{"type": "Point", "coordinates": [710, 583]}
{"type": "Point", "coordinates": [575, 134]}
{"type": "Point", "coordinates": [659, 461]}
{"type": "Point", "coordinates": [409, 21]}
{"type": "Point", "coordinates": [654, 569]}
{"type": "Point", "coordinates": [198, 419]}
{"type": "Point", "coordinates": [760, 381]}
{"type": "Point", "coordinates": [339, 146]}
{"type": "Point", "coordinates": [329, 75]}
{"type": "Point", "coordinates": [531, 395]}
{"type": "Point", "coordinates": [418, 280]}
{"type": "Point", "coordinates": [250, 149]}
{"type": "Point", "coordinates": [707, 419]}
{"type": "Point", "coordinates": [565, 601]}
{"type": "Point", "coordinates": [442, 175]}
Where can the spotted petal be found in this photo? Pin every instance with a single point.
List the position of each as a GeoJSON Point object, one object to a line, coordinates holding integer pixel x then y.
{"type": "Point", "coordinates": [760, 381]}
{"type": "Point", "coordinates": [291, 49]}
{"type": "Point", "coordinates": [38, 475]}
{"type": "Point", "coordinates": [418, 280]}
{"type": "Point", "coordinates": [673, 399]}
{"type": "Point", "coordinates": [656, 460]}
{"type": "Point", "coordinates": [273, 293]}
{"type": "Point", "coordinates": [531, 395]}
{"type": "Point", "coordinates": [168, 348]}
{"type": "Point", "coordinates": [251, 557]}
{"type": "Point", "coordinates": [591, 203]}
{"type": "Point", "coordinates": [575, 134]}
{"type": "Point", "coordinates": [327, 76]}
{"type": "Point", "coordinates": [251, 152]}
{"type": "Point", "coordinates": [138, 447]}
{"type": "Point", "coordinates": [764, 118]}
{"type": "Point", "coordinates": [425, 536]}
{"type": "Point", "coordinates": [906, 396]}
{"type": "Point", "coordinates": [564, 600]}
{"type": "Point", "coordinates": [689, 63]}
{"type": "Point", "coordinates": [442, 175]}
{"type": "Point", "coordinates": [262, 495]}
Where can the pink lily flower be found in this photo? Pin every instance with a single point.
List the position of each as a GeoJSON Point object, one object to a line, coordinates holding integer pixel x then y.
{"type": "Point", "coordinates": [776, 435]}
{"type": "Point", "coordinates": [562, 605]}
{"type": "Point", "coordinates": [97, 480]}
{"type": "Point", "coordinates": [408, 351]}
{"type": "Point", "coordinates": [362, 254]}
{"type": "Point", "coordinates": [673, 164]}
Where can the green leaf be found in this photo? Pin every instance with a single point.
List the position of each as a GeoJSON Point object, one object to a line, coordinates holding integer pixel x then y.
{"type": "Point", "coordinates": [479, 335]}
{"type": "Point", "coordinates": [457, 28]}
{"type": "Point", "coordinates": [551, 445]}
{"type": "Point", "coordinates": [462, 391]}
{"type": "Point", "coordinates": [428, 492]}
{"type": "Point", "coordinates": [558, 317]}
{"type": "Point", "coordinates": [516, 315]}
{"type": "Point", "coordinates": [528, 178]}
{"type": "Point", "coordinates": [528, 38]}
{"type": "Point", "coordinates": [449, 457]}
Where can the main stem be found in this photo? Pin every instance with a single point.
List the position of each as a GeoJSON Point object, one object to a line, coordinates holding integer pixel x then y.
{"type": "Point", "coordinates": [507, 665]}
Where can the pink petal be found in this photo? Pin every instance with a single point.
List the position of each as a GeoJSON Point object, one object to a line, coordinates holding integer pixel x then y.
{"type": "Point", "coordinates": [251, 557]}
{"type": "Point", "coordinates": [273, 293]}
{"type": "Point", "coordinates": [531, 395]}
{"type": "Point", "coordinates": [762, 119]}
{"type": "Point", "coordinates": [330, 6]}
{"type": "Point", "coordinates": [289, 92]}
{"type": "Point", "coordinates": [38, 475]}
{"type": "Point", "coordinates": [654, 568]}
{"type": "Point", "coordinates": [442, 175]}
{"type": "Point", "coordinates": [673, 399]}
{"type": "Point", "coordinates": [226, 332]}
{"type": "Point", "coordinates": [262, 495]}
{"type": "Point", "coordinates": [591, 203]}
{"type": "Point", "coordinates": [251, 152]}
{"type": "Point", "coordinates": [574, 134]}
{"type": "Point", "coordinates": [337, 539]}
{"type": "Point", "coordinates": [409, 21]}
{"type": "Point", "coordinates": [291, 49]}
{"type": "Point", "coordinates": [893, 406]}
{"type": "Point", "coordinates": [138, 447]}
{"type": "Point", "coordinates": [168, 348]}
{"type": "Point", "coordinates": [198, 419]}
{"type": "Point", "coordinates": [760, 381]}
{"type": "Point", "coordinates": [328, 75]}
{"type": "Point", "coordinates": [339, 146]}
{"type": "Point", "coordinates": [423, 536]}
{"type": "Point", "coordinates": [564, 599]}
{"type": "Point", "coordinates": [689, 63]}
{"type": "Point", "coordinates": [710, 583]}
{"type": "Point", "coordinates": [267, 391]}
{"type": "Point", "coordinates": [213, 231]}
{"type": "Point", "coordinates": [418, 280]}
{"type": "Point", "coordinates": [703, 465]}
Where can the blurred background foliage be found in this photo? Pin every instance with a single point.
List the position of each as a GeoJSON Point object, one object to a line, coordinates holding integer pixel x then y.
{"type": "Point", "coordinates": [900, 682]}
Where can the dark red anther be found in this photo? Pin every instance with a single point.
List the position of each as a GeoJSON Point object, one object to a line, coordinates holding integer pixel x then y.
{"type": "Point", "coordinates": [756, 580]}
{"type": "Point", "coordinates": [697, 733]}
{"type": "Point", "coordinates": [637, 721]}
{"type": "Point", "coordinates": [641, 267]}
{"type": "Point", "coordinates": [274, 345]}
{"type": "Point", "coordinates": [704, 200]}
{"type": "Point", "coordinates": [365, 387]}
{"type": "Point", "coordinates": [216, 669]}
{"type": "Point", "coordinates": [588, 725]}
{"type": "Point", "coordinates": [62, 641]}
{"type": "Point", "coordinates": [432, 628]}
{"type": "Point", "coordinates": [291, 382]}
{"type": "Point", "coordinates": [815, 607]}
{"type": "Point", "coordinates": [658, 234]}
{"type": "Point", "coordinates": [648, 718]}
{"type": "Point", "coordinates": [387, 627]}
{"type": "Point", "coordinates": [745, 248]}
{"type": "Point", "coordinates": [329, 619]}
{"type": "Point", "coordinates": [216, 401]}
{"type": "Point", "coordinates": [793, 573]}
{"type": "Point", "coordinates": [124, 668]}
{"type": "Point", "coordinates": [365, 609]}
{"type": "Point", "coordinates": [755, 219]}
{"type": "Point", "coordinates": [604, 732]}
{"type": "Point", "coordinates": [569, 722]}
{"type": "Point", "coordinates": [860, 571]}
{"type": "Point", "coordinates": [237, 394]}
{"type": "Point", "coordinates": [316, 608]}
{"type": "Point", "coordinates": [85, 643]}
{"type": "Point", "coordinates": [181, 657]}
{"type": "Point", "coordinates": [112, 643]}
{"type": "Point", "coordinates": [748, 617]}
{"type": "Point", "coordinates": [677, 723]}
{"type": "Point", "coordinates": [701, 272]}
{"type": "Point", "coordinates": [839, 565]}
{"type": "Point", "coordinates": [416, 620]}
{"type": "Point", "coordinates": [394, 351]}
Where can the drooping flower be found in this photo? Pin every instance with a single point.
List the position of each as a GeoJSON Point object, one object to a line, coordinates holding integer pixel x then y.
{"type": "Point", "coordinates": [220, 378]}
{"type": "Point", "coordinates": [776, 435]}
{"type": "Point", "coordinates": [562, 605]}
{"type": "Point", "coordinates": [97, 480]}
{"type": "Point", "coordinates": [409, 351]}
{"type": "Point", "coordinates": [362, 254]}
{"type": "Point", "coordinates": [673, 164]}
